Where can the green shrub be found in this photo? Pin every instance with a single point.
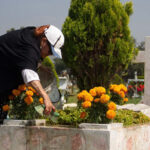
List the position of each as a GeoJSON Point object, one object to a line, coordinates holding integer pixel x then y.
{"type": "Point", "coordinates": [47, 62]}
{"type": "Point", "coordinates": [71, 117]}
{"type": "Point", "coordinates": [140, 77]}
{"type": "Point", "coordinates": [129, 118]}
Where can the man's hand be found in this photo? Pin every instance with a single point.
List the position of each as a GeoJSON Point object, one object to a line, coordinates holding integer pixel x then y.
{"type": "Point", "coordinates": [48, 106]}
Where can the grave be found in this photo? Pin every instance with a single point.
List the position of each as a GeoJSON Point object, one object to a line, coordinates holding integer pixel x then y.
{"type": "Point", "coordinates": [88, 136]}
{"type": "Point", "coordinates": [135, 80]}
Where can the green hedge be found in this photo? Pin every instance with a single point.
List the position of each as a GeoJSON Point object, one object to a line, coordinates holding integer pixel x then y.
{"type": "Point", "coordinates": [130, 118]}
{"type": "Point", "coordinates": [71, 117]}
{"type": "Point", "coordinates": [140, 77]}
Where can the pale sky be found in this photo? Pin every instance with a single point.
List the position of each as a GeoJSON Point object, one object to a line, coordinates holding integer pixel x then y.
{"type": "Point", "coordinates": [17, 13]}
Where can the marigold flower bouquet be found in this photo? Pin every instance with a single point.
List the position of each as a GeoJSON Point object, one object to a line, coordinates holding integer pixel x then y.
{"type": "Point", "coordinates": [99, 104]}
{"type": "Point", "coordinates": [22, 103]}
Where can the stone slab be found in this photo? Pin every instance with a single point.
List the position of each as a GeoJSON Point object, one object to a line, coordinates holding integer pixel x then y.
{"type": "Point", "coordinates": [100, 126]}
{"type": "Point", "coordinates": [134, 107]}
{"type": "Point", "coordinates": [69, 105]}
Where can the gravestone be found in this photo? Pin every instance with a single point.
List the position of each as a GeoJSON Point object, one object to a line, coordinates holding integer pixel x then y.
{"type": "Point", "coordinates": [144, 57]}
{"type": "Point", "coordinates": [63, 88]}
{"type": "Point", "coordinates": [49, 83]}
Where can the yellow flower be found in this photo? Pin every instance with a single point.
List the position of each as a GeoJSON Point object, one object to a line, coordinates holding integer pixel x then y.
{"type": "Point", "coordinates": [32, 89]}
{"type": "Point", "coordinates": [110, 114]}
{"type": "Point", "coordinates": [41, 100]}
{"type": "Point", "coordinates": [11, 97]}
{"type": "Point", "coordinates": [125, 99]}
{"type": "Point", "coordinates": [22, 87]}
{"type": "Point", "coordinates": [16, 92]}
{"type": "Point", "coordinates": [100, 90]}
{"type": "Point", "coordinates": [86, 104]}
{"type": "Point", "coordinates": [112, 106]}
{"type": "Point", "coordinates": [5, 108]}
{"type": "Point", "coordinates": [104, 98]}
{"type": "Point", "coordinates": [92, 92]}
{"type": "Point", "coordinates": [121, 93]}
{"type": "Point", "coordinates": [28, 100]}
{"type": "Point", "coordinates": [96, 100]}
{"type": "Point", "coordinates": [29, 93]}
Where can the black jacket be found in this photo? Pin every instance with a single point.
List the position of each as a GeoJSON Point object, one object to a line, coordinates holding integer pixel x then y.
{"type": "Point", "coordinates": [19, 50]}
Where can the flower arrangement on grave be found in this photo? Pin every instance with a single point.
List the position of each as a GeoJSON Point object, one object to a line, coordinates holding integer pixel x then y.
{"type": "Point", "coordinates": [133, 87]}
{"type": "Point", "coordinates": [99, 104]}
{"type": "Point", "coordinates": [22, 103]}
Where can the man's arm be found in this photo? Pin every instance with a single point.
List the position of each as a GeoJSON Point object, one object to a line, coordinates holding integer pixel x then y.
{"type": "Point", "coordinates": [38, 87]}
{"type": "Point", "coordinates": [31, 78]}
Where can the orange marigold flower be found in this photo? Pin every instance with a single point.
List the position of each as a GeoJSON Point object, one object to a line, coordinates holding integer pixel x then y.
{"type": "Point", "coordinates": [117, 89]}
{"type": "Point", "coordinates": [32, 89]}
{"type": "Point", "coordinates": [11, 97]}
{"type": "Point", "coordinates": [16, 92]}
{"type": "Point", "coordinates": [80, 96]}
{"type": "Point", "coordinates": [28, 100]}
{"type": "Point", "coordinates": [84, 91]}
{"type": "Point", "coordinates": [41, 100]}
{"type": "Point", "coordinates": [22, 87]}
{"type": "Point", "coordinates": [96, 100]}
{"type": "Point", "coordinates": [112, 86]}
{"type": "Point", "coordinates": [5, 107]}
{"type": "Point", "coordinates": [83, 115]}
{"type": "Point", "coordinates": [29, 93]}
{"type": "Point", "coordinates": [100, 90]}
{"type": "Point", "coordinates": [121, 93]}
{"type": "Point", "coordinates": [123, 88]}
{"type": "Point", "coordinates": [86, 104]}
{"type": "Point", "coordinates": [104, 98]}
{"type": "Point", "coordinates": [112, 106]}
{"type": "Point", "coordinates": [110, 114]}
{"type": "Point", "coordinates": [125, 99]}
{"type": "Point", "coordinates": [88, 97]}
{"type": "Point", "coordinates": [92, 92]}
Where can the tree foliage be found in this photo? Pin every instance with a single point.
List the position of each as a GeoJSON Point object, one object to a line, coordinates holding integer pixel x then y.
{"type": "Point", "coordinates": [98, 42]}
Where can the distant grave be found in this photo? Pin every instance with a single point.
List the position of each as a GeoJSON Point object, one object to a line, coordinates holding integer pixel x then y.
{"type": "Point", "coordinates": [136, 80]}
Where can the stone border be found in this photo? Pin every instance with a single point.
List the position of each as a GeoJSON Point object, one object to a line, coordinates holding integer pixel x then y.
{"type": "Point", "coordinates": [37, 122]}
{"type": "Point", "coordinates": [103, 137]}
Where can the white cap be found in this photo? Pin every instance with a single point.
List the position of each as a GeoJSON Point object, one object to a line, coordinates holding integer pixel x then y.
{"type": "Point", "coordinates": [56, 39]}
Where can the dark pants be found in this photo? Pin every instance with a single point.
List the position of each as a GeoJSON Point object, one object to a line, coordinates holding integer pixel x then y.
{"type": "Point", "coordinates": [3, 101]}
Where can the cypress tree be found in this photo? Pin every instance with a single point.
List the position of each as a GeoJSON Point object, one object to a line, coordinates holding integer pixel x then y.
{"type": "Point", "coordinates": [98, 43]}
